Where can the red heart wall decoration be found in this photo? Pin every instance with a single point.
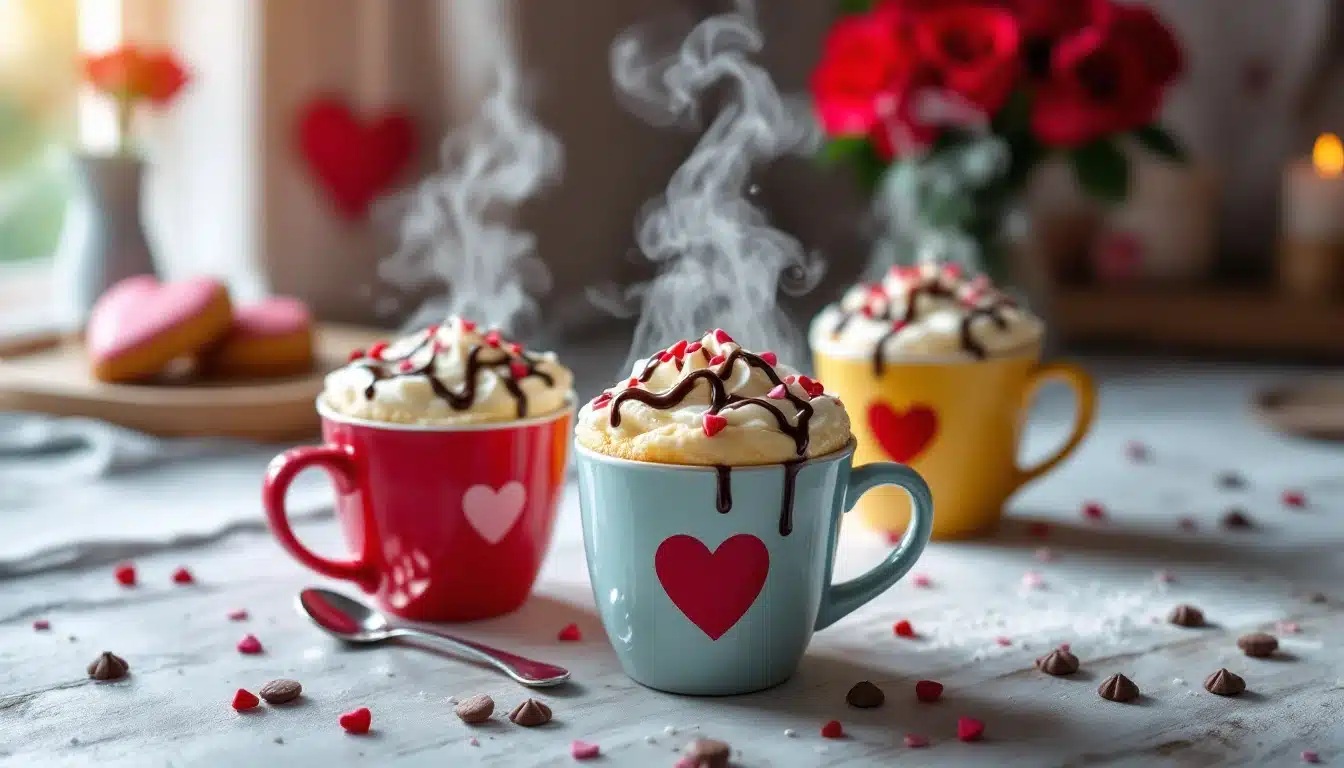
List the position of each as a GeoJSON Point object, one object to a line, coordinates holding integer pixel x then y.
{"type": "Point", "coordinates": [354, 160]}
{"type": "Point", "coordinates": [903, 435]}
{"type": "Point", "coordinates": [713, 589]}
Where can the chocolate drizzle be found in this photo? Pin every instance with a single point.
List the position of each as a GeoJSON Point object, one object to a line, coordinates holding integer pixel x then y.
{"type": "Point", "coordinates": [387, 369]}
{"type": "Point", "coordinates": [722, 400]}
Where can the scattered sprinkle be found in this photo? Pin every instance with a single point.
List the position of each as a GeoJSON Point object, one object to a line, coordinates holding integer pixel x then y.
{"type": "Point", "coordinates": [356, 721]}
{"type": "Point", "coordinates": [1178, 681]}
{"type": "Point", "coordinates": [1094, 511]}
{"type": "Point", "coordinates": [1164, 576]}
{"type": "Point", "coordinates": [1288, 627]}
{"type": "Point", "coordinates": [1063, 646]}
{"type": "Point", "coordinates": [1033, 580]}
{"type": "Point", "coordinates": [582, 750]}
{"type": "Point", "coordinates": [903, 628]}
{"type": "Point", "coordinates": [1137, 451]}
{"type": "Point", "coordinates": [238, 614]}
{"type": "Point", "coordinates": [770, 358]}
{"type": "Point", "coordinates": [244, 700]}
{"type": "Point", "coordinates": [1231, 480]}
{"type": "Point", "coordinates": [970, 729]}
{"type": "Point", "coordinates": [1310, 757]}
{"type": "Point", "coordinates": [41, 625]}
{"type": "Point", "coordinates": [916, 741]}
{"type": "Point", "coordinates": [249, 645]}
{"type": "Point", "coordinates": [789, 733]}
{"type": "Point", "coordinates": [570, 634]}
{"type": "Point", "coordinates": [1295, 499]}
{"type": "Point", "coordinates": [714, 424]}
{"type": "Point", "coordinates": [1237, 519]}
{"type": "Point", "coordinates": [183, 576]}
{"type": "Point", "coordinates": [670, 730]}
{"type": "Point", "coordinates": [1002, 641]}
{"type": "Point", "coordinates": [922, 580]}
{"type": "Point", "coordinates": [928, 691]}
{"type": "Point", "coordinates": [377, 350]}
{"type": "Point", "coordinates": [832, 730]}
{"type": "Point", "coordinates": [473, 741]}
{"type": "Point", "coordinates": [125, 574]}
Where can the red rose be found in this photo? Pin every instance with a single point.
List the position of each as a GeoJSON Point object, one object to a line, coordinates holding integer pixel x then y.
{"type": "Point", "coordinates": [1100, 84]}
{"type": "Point", "coordinates": [1161, 54]}
{"type": "Point", "coordinates": [861, 60]}
{"type": "Point", "coordinates": [901, 131]}
{"type": "Point", "coordinates": [1052, 19]}
{"type": "Point", "coordinates": [975, 50]}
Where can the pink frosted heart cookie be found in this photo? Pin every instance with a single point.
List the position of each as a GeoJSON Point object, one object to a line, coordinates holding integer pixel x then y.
{"type": "Point", "coordinates": [140, 325]}
{"type": "Point", "coordinates": [270, 338]}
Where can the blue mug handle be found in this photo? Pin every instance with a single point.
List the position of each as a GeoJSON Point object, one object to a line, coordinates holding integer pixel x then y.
{"type": "Point", "coordinates": [840, 600]}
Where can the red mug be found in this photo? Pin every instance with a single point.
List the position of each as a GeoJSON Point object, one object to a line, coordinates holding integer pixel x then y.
{"type": "Point", "coordinates": [445, 523]}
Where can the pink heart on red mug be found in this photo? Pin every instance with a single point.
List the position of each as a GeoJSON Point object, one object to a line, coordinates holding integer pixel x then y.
{"type": "Point", "coordinates": [355, 160]}
{"type": "Point", "coordinates": [903, 435]}
{"type": "Point", "coordinates": [713, 589]}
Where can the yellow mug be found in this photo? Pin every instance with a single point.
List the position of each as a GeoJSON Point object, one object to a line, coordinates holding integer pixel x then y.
{"type": "Point", "coordinates": [958, 424]}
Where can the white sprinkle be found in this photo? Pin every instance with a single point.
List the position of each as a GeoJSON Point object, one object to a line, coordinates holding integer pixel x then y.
{"type": "Point", "coordinates": [790, 733]}
{"type": "Point", "coordinates": [670, 730]}
{"type": "Point", "coordinates": [1178, 681]}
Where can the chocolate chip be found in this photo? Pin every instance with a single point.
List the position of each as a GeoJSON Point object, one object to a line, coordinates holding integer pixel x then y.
{"type": "Point", "coordinates": [1231, 480]}
{"type": "Point", "coordinates": [707, 753]}
{"type": "Point", "coordinates": [1259, 645]}
{"type": "Point", "coordinates": [1236, 519]}
{"type": "Point", "coordinates": [476, 709]}
{"type": "Point", "coordinates": [1058, 662]}
{"type": "Point", "coordinates": [1186, 616]}
{"type": "Point", "coordinates": [108, 666]}
{"type": "Point", "coordinates": [865, 695]}
{"type": "Point", "coordinates": [530, 714]}
{"type": "Point", "coordinates": [281, 691]}
{"type": "Point", "coordinates": [1224, 683]}
{"type": "Point", "coordinates": [1118, 688]}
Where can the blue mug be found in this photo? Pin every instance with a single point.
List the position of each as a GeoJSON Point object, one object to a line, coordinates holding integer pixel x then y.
{"type": "Point", "coordinates": [711, 580]}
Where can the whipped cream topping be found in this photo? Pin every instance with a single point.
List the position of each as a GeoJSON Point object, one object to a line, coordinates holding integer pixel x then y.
{"type": "Point", "coordinates": [710, 402]}
{"type": "Point", "coordinates": [453, 373]}
{"type": "Point", "coordinates": [925, 312]}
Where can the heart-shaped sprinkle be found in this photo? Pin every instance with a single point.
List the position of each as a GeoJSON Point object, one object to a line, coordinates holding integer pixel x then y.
{"type": "Point", "coordinates": [515, 349]}
{"type": "Point", "coordinates": [467, 325]}
{"type": "Point", "coordinates": [582, 750]}
{"type": "Point", "coordinates": [1309, 756]}
{"type": "Point", "coordinates": [1002, 642]}
{"type": "Point", "coordinates": [790, 379]}
{"type": "Point", "coordinates": [832, 730]}
{"type": "Point", "coordinates": [570, 634]}
{"type": "Point", "coordinates": [602, 401]}
{"type": "Point", "coordinates": [903, 628]}
{"type": "Point", "coordinates": [182, 576]}
{"type": "Point", "coordinates": [922, 580]}
{"type": "Point", "coordinates": [693, 347]}
{"type": "Point", "coordinates": [355, 354]}
{"type": "Point", "coordinates": [722, 336]}
{"type": "Point", "coordinates": [928, 691]}
{"type": "Point", "coordinates": [249, 645]}
{"type": "Point", "coordinates": [519, 370]}
{"type": "Point", "coordinates": [714, 424]}
{"type": "Point", "coordinates": [357, 721]}
{"type": "Point", "coordinates": [970, 729]}
{"type": "Point", "coordinates": [1094, 511]}
{"type": "Point", "coordinates": [405, 366]}
{"type": "Point", "coordinates": [125, 574]}
{"type": "Point", "coordinates": [717, 360]}
{"type": "Point", "coordinates": [244, 700]}
{"type": "Point", "coordinates": [770, 358]}
{"type": "Point", "coordinates": [238, 614]}
{"type": "Point", "coordinates": [377, 350]}
{"type": "Point", "coordinates": [1295, 499]}
{"type": "Point", "coordinates": [916, 741]}
{"type": "Point", "coordinates": [679, 348]}
{"type": "Point", "coordinates": [778, 393]}
{"type": "Point", "coordinates": [666, 357]}
{"type": "Point", "coordinates": [41, 625]}
{"type": "Point", "coordinates": [866, 311]}
{"type": "Point", "coordinates": [492, 338]}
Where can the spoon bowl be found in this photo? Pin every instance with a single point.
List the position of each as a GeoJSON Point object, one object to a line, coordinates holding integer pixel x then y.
{"type": "Point", "coordinates": [352, 621]}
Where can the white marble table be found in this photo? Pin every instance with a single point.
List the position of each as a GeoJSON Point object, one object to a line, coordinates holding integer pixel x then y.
{"type": "Point", "coordinates": [1101, 595]}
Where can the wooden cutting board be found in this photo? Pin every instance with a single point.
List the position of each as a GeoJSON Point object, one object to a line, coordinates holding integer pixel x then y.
{"type": "Point", "coordinates": [51, 375]}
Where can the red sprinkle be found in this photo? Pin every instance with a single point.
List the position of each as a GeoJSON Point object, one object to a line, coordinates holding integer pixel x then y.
{"type": "Point", "coordinates": [377, 350]}
{"type": "Point", "coordinates": [717, 360]}
{"type": "Point", "coordinates": [1033, 580]}
{"type": "Point", "coordinates": [970, 729]}
{"type": "Point", "coordinates": [183, 576]}
{"type": "Point", "coordinates": [238, 614]}
{"type": "Point", "coordinates": [492, 338]}
{"type": "Point", "coordinates": [778, 393]}
{"type": "Point", "coordinates": [405, 366]}
{"type": "Point", "coordinates": [515, 349]}
{"type": "Point", "coordinates": [790, 379]}
{"type": "Point", "coordinates": [1093, 511]}
{"type": "Point", "coordinates": [916, 741]}
{"type": "Point", "coordinates": [666, 357]}
{"type": "Point", "coordinates": [922, 580]}
{"type": "Point", "coordinates": [582, 750]}
{"type": "Point", "coordinates": [693, 347]}
{"type": "Point", "coordinates": [125, 574]}
{"type": "Point", "coordinates": [357, 721]}
{"type": "Point", "coordinates": [244, 700]}
{"type": "Point", "coordinates": [1063, 646]}
{"type": "Point", "coordinates": [679, 348]}
{"type": "Point", "coordinates": [1039, 530]}
{"type": "Point", "coordinates": [866, 310]}
{"type": "Point", "coordinates": [632, 383]}
{"type": "Point", "coordinates": [714, 424]}
{"type": "Point", "coordinates": [570, 634]}
{"type": "Point", "coordinates": [355, 354]}
{"type": "Point", "coordinates": [770, 358]}
{"type": "Point", "coordinates": [832, 730]}
{"type": "Point", "coordinates": [519, 370]}
{"type": "Point", "coordinates": [897, 325]}
{"type": "Point", "coordinates": [928, 691]}
{"type": "Point", "coordinates": [722, 336]}
{"type": "Point", "coordinates": [1137, 451]}
{"type": "Point", "coordinates": [904, 628]}
{"type": "Point", "coordinates": [1310, 757]}
{"type": "Point", "coordinates": [249, 644]}
{"type": "Point", "coordinates": [467, 325]}
{"type": "Point", "coordinates": [41, 625]}
{"type": "Point", "coordinates": [1295, 499]}
{"type": "Point", "coordinates": [1003, 641]}
{"type": "Point", "coordinates": [894, 537]}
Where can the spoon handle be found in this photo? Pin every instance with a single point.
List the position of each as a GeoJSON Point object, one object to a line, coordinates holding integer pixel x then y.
{"type": "Point", "coordinates": [526, 671]}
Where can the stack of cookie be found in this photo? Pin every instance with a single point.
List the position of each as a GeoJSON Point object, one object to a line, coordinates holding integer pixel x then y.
{"type": "Point", "coordinates": [141, 327]}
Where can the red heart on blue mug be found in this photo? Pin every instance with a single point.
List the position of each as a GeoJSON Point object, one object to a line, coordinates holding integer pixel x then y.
{"type": "Point", "coordinates": [355, 160]}
{"type": "Point", "coordinates": [903, 435]}
{"type": "Point", "coordinates": [713, 589]}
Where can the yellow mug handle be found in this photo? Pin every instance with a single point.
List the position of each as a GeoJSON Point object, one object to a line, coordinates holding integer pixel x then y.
{"type": "Point", "coordinates": [1084, 390]}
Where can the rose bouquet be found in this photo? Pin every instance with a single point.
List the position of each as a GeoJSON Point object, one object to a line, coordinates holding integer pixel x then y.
{"type": "Point", "coordinates": [945, 106]}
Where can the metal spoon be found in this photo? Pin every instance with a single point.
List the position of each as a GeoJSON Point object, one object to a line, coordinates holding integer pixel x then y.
{"type": "Point", "coordinates": [354, 622]}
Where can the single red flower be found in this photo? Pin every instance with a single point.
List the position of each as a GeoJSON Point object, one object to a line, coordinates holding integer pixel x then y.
{"type": "Point", "coordinates": [1099, 85]}
{"type": "Point", "coordinates": [860, 61]}
{"type": "Point", "coordinates": [975, 49]}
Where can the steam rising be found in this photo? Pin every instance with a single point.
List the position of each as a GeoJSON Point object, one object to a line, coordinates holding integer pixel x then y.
{"type": "Point", "coordinates": [452, 234]}
{"type": "Point", "coordinates": [720, 263]}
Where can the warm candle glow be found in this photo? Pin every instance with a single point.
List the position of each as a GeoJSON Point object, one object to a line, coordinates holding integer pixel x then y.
{"type": "Point", "coordinates": [1328, 155]}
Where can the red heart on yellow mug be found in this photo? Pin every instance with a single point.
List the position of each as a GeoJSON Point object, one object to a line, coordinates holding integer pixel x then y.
{"type": "Point", "coordinates": [903, 435]}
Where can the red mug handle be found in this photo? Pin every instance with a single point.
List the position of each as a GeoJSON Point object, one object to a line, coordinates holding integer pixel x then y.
{"type": "Point", "coordinates": [339, 461]}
